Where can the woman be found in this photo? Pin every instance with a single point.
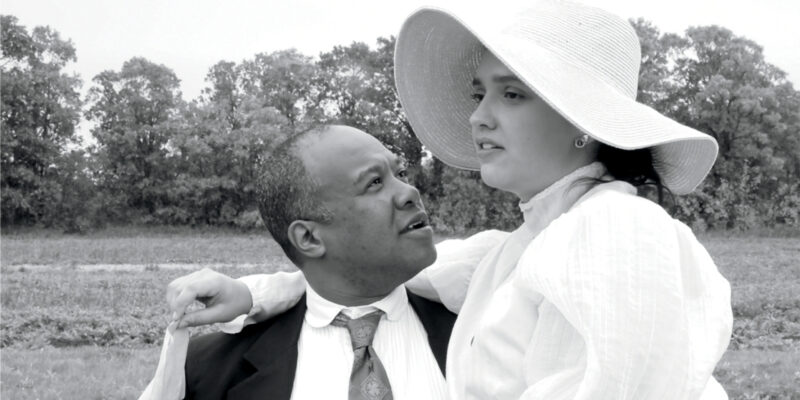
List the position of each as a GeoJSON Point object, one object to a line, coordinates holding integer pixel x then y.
{"type": "Point", "coordinates": [599, 294]}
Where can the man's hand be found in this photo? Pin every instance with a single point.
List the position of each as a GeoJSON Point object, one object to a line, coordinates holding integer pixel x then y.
{"type": "Point", "coordinates": [225, 298]}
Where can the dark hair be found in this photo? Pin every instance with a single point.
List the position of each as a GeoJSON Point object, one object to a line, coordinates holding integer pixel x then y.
{"type": "Point", "coordinates": [633, 166]}
{"type": "Point", "coordinates": [286, 193]}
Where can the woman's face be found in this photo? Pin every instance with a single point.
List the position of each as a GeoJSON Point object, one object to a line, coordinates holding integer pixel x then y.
{"type": "Point", "coordinates": [523, 145]}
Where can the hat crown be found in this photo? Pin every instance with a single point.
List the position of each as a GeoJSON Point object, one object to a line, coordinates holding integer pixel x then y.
{"type": "Point", "coordinates": [592, 39]}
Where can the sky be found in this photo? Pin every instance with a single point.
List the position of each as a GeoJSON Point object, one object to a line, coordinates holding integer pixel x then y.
{"type": "Point", "coordinates": [191, 36]}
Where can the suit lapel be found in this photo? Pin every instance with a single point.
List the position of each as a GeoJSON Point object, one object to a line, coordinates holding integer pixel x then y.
{"type": "Point", "coordinates": [438, 323]}
{"type": "Point", "coordinates": [274, 356]}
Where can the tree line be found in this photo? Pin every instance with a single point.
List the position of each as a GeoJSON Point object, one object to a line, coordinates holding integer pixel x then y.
{"type": "Point", "coordinates": [159, 159]}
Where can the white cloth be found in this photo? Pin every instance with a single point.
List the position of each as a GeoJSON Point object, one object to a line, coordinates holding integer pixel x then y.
{"type": "Point", "coordinates": [169, 382]}
{"type": "Point", "coordinates": [598, 295]}
{"type": "Point", "coordinates": [325, 353]}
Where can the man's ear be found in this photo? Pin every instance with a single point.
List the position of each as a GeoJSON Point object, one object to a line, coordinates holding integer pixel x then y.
{"type": "Point", "coordinates": [305, 238]}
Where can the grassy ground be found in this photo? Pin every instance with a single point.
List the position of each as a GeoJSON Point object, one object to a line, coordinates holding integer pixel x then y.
{"type": "Point", "coordinates": [88, 372]}
{"type": "Point", "coordinates": [95, 334]}
{"type": "Point", "coordinates": [138, 246]}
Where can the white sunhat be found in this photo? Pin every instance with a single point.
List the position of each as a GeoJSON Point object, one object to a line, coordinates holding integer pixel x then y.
{"type": "Point", "coordinates": [583, 61]}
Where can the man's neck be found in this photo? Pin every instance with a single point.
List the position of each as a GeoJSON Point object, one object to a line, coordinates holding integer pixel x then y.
{"type": "Point", "coordinates": [339, 292]}
{"type": "Point", "coordinates": [346, 298]}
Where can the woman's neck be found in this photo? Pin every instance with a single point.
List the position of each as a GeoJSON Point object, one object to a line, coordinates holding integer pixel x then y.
{"type": "Point", "coordinates": [559, 197]}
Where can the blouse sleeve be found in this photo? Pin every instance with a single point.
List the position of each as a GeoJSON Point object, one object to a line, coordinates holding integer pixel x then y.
{"type": "Point", "coordinates": [644, 302]}
{"type": "Point", "coordinates": [446, 280]}
{"type": "Point", "coordinates": [272, 294]}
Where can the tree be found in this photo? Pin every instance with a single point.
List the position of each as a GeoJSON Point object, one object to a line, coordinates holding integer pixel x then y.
{"type": "Point", "coordinates": [720, 84]}
{"type": "Point", "coordinates": [224, 96]}
{"type": "Point", "coordinates": [279, 80]}
{"type": "Point", "coordinates": [355, 86]}
{"type": "Point", "coordinates": [134, 111]}
{"type": "Point", "coordinates": [40, 111]}
{"type": "Point", "coordinates": [223, 139]}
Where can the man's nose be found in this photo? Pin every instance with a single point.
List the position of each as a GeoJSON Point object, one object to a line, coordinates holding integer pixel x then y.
{"type": "Point", "coordinates": [407, 196]}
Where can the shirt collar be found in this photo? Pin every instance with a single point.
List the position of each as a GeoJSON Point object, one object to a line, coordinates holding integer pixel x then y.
{"type": "Point", "coordinates": [559, 197]}
{"type": "Point", "coordinates": [321, 311]}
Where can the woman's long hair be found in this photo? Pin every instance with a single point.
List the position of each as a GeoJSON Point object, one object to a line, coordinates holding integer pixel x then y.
{"type": "Point", "coordinates": [634, 167]}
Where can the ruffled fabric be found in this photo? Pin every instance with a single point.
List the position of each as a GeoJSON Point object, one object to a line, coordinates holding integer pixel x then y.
{"type": "Point", "coordinates": [638, 295]}
{"type": "Point", "coordinates": [598, 295]}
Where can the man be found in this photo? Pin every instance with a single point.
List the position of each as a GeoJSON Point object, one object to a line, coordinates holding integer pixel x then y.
{"type": "Point", "coordinates": [339, 205]}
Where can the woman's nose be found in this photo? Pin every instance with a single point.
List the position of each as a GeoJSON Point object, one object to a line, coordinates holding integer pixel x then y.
{"type": "Point", "coordinates": [482, 117]}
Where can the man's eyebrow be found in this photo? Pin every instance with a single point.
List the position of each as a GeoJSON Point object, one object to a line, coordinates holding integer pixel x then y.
{"type": "Point", "coordinates": [498, 79]}
{"type": "Point", "coordinates": [395, 160]}
{"type": "Point", "coordinates": [366, 171]}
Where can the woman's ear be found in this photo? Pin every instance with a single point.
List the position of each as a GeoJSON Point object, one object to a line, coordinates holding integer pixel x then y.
{"type": "Point", "coordinates": [305, 238]}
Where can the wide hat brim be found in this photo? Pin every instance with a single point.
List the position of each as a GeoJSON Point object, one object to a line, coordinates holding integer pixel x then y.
{"type": "Point", "coordinates": [436, 57]}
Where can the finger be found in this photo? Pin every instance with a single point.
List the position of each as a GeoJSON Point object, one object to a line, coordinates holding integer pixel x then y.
{"type": "Point", "coordinates": [175, 287]}
{"type": "Point", "coordinates": [203, 316]}
{"type": "Point", "coordinates": [179, 304]}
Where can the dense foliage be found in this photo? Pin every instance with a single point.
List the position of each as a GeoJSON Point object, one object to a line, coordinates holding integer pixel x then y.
{"type": "Point", "coordinates": [159, 159]}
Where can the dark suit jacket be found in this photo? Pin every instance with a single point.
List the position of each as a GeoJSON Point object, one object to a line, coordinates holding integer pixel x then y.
{"type": "Point", "coordinates": [260, 362]}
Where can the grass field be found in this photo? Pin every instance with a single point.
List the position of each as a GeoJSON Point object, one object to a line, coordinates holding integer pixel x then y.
{"type": "Point", "coordinates": [71, 332]}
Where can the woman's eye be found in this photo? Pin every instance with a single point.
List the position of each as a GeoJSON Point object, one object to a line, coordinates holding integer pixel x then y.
{"type": "Point", "coordinates": [513, 95]}
{"type": "Point", "coordinates": [375, 182]}
{"type": "Point", "coordinates": [402, 174]}
{"type": "Point", "coordinates": [477, 97]}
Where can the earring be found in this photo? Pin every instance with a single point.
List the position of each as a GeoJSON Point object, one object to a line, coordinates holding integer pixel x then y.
{"type": "Point", "coordinates": [581, 141]}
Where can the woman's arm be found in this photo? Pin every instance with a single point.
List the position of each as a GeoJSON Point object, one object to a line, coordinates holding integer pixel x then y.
{"type": "Point", "coordinates": [234, 300]}
{"type": "Point", "coordinates": [446, 280]}
{"type": "Point", "coordinates": [255, 298]}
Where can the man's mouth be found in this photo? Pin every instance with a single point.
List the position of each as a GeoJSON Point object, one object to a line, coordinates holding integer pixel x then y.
{"type": "Point", "coordinates": [419, 221]}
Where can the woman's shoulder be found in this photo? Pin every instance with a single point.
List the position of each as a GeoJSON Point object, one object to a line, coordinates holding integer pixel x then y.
{"type": "Point", "coordinates": [612, 214]}
{"type": "Point", "coordinates": [617, 200]}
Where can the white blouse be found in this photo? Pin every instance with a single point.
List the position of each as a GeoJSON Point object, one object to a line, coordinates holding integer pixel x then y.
{"type": "Point", "coordinates": [600, 294]}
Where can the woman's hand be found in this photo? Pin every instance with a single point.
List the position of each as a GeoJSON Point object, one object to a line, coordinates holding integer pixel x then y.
{"type": "Point", "coordinates": [225, 298]}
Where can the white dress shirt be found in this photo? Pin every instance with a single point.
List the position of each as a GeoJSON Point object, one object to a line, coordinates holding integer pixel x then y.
{"type": "Point", "coordinates": [325, 353]}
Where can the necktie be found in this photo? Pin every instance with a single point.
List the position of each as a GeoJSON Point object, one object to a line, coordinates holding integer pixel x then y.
{"type": "Point", "coordinates": [368, 380]}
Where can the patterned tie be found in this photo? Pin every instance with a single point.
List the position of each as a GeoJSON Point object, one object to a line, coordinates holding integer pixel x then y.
{"type": "Point", "coordinates": [368, 381]}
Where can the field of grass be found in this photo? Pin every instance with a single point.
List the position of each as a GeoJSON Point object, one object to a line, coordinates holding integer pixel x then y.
{"type": "Point", "coordinates": [74, 332]}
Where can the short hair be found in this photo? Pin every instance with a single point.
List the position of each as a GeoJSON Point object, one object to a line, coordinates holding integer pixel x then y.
{"type": "Point", "coordinates": [287, 193]}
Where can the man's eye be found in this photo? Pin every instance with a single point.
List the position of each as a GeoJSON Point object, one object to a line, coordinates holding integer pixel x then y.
{"type": "Point", "coordinates": [477, 97]}
{"type": "Point", "coordinates": [513, 95]}
{"type": "Point", "coordinates": [403, 174]}
{"type": "Point", "coordinates": [375, 182]}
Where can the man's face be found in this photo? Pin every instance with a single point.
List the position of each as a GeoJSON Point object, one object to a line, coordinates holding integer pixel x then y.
{"type": "Point", "coordinates": [379, 234]}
